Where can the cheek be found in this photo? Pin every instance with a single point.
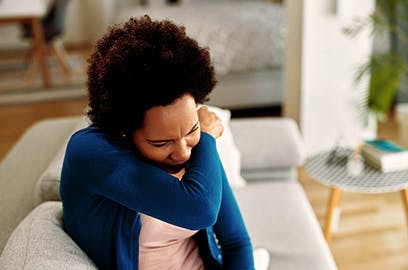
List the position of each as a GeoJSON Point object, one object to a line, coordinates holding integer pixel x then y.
{"type": "Point", "coordinates": [194, 140]}
{"type": "Point", "coordinates": [153, 153]}
{"type": "Point", "coordinates": [148, 151]}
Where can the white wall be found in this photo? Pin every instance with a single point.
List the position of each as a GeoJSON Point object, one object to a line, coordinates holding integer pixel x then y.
{"type": "Point", "coordinates": [326, 96]}
{"type": "Point", "coordinates": [293, 60]}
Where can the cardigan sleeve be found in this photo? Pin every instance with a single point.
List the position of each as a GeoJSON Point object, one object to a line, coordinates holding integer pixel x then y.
{"type": "Point", "coordinates": [110, 171]}
{"type": "Point", "coordinates": [233, 238]}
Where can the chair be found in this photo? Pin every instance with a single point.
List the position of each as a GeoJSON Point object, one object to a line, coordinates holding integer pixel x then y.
{"type": "Point", "coordinates": [53, 27]}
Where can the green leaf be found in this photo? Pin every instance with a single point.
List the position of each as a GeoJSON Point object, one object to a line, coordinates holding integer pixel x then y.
{"type": "Point", "coordinates": [386, 71]}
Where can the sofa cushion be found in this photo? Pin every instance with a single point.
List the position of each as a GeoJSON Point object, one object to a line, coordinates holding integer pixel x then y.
{"type": "Point", "coordinates": [279, 218]}
{"type": "Point", "coordinates": [279, 143]}
{"type": "Point", "coordinates": [39, 242]}
{"type": "Point", "coordinates": [47, 186]}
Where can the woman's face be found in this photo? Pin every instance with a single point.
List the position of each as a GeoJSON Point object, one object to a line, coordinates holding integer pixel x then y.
{"type": "Point", "coordinates": [169, 133]}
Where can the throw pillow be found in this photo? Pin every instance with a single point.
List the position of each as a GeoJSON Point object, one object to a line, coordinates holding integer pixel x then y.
{"type": "Point", "coordinates": [40, 242]}
{"type": "Point", "coordinates": [228, 151]}
{"type": "Point", "coordinates": [47, 186]}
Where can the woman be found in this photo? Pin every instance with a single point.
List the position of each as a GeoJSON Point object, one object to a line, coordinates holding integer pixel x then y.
{"type": "Point", "coordinates": [143, 186]}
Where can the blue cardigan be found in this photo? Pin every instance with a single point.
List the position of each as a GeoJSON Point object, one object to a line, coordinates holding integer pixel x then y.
{"type": "Point", "coordinates": [105, 184]}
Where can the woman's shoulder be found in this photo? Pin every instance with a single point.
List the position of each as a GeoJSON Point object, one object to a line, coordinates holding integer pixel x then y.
{"type": "Point", "coordinates": [88, 137]}
{"type": "Point", "coordinates": [93, 142]}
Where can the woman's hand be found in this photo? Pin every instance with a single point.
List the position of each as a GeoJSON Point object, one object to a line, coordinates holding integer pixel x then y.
{"type": "Point", "coordinates": [210, 122]}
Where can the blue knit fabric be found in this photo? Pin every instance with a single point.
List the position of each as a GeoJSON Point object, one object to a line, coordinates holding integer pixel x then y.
{"type": "Point", "coordinates": [105, 184]}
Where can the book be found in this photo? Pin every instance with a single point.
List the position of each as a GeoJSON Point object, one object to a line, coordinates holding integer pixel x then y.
{"type": "Point", "coordinates": [385, 155]}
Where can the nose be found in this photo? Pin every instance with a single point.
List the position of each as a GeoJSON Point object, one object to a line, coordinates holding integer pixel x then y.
{"type": "Point", "coordinates": [181, 152]}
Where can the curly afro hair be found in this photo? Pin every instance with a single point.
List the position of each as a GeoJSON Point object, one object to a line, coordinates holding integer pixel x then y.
{"type": "Point", "coordinates": [142, 64]}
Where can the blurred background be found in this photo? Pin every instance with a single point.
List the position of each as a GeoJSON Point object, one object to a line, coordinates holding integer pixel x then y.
{"type": "Point", "coordinates": [324, 63]}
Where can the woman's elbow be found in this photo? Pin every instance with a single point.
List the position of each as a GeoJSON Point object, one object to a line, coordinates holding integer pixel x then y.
{"type": "Point", "coordinates": [206, 214]}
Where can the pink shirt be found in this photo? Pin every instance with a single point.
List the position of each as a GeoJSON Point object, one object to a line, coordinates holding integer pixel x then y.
{"type": "Point", "coordinates": [166, 246]}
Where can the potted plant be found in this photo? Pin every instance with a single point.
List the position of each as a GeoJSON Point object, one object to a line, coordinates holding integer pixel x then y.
{"type": "Point", "coordinates": [386, 70]}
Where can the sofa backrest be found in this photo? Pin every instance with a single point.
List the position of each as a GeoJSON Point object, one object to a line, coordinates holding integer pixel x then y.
{"type": "Point", "coordinates": [271, 147]}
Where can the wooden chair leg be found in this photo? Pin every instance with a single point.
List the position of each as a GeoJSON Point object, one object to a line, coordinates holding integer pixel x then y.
{"type": "Point", "coordinates": [332, 210]}
{"type": "Point", "coordinates": [62, 57]}
{"type": "Point", "coordinates": [404, 196]}
{"type": "Point", "coordinates": [40, 53]}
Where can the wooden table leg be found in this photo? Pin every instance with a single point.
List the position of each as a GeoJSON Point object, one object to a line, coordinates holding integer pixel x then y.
{"type": "Point", "coordinates": [39, 48]}
{"type": "Point", "coordinates": [332, 210]}
{"type": "Point", "coordinates": [404, 195]}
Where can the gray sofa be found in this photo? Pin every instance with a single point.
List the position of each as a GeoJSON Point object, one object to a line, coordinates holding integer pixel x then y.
{"type": "Point", "coordinates": [274, 205]}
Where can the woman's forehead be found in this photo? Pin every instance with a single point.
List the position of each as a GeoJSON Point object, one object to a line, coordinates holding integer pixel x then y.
{"type": "Point", "coordinates": [181, 114]}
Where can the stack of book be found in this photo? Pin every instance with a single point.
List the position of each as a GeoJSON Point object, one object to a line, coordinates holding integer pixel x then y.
{"type": "Point", "coordinates": [385, 155]}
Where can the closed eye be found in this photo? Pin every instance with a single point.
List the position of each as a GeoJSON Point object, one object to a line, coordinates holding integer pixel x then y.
{"type": "Point", "coordinates": [159, 144]}
{"type": "Point", "coordinates": [162, 143]}
{"type": "Point", "coordinates": [195, 128]}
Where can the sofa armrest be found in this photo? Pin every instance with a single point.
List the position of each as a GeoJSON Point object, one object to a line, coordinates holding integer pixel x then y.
{"type": "Point", "coordinates": [269, 143]}
{"type": "Point", "coordinates": [23, 165]}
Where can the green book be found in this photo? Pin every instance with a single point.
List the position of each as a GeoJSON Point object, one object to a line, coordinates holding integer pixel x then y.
{"type": "Point", "coordinates": [385, 155]}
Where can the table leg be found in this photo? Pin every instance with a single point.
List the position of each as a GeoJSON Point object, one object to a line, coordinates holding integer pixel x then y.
{"type": "Point", "coordinates": [39, 48]}
{"type": "Point", "coordinates": [332, 210]}
{"type": "Point", "coordinates": [404, 195]}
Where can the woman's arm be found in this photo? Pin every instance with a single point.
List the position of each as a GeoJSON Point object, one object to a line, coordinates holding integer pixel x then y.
{"type": "Point", "coordinates": [102, 168]}
{"type": "Point", "coordinates": [97, 165]}
{"type": "Point", "coordinates": [231, 233]}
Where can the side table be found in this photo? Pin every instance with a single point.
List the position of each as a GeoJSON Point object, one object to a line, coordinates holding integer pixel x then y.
{"type": "Point", "coordinates": [329, 168]}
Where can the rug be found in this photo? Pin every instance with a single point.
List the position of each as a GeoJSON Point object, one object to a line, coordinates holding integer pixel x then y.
{"type": "Point", "coordinates": [20, 85]}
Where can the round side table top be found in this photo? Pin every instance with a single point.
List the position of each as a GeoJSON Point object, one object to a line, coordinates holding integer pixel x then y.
{"type": "Point", "coordinates": [332, 171]}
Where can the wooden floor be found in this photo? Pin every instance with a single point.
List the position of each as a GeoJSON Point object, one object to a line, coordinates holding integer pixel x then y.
{"type": "Point", "coordinates": [372, 234]}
